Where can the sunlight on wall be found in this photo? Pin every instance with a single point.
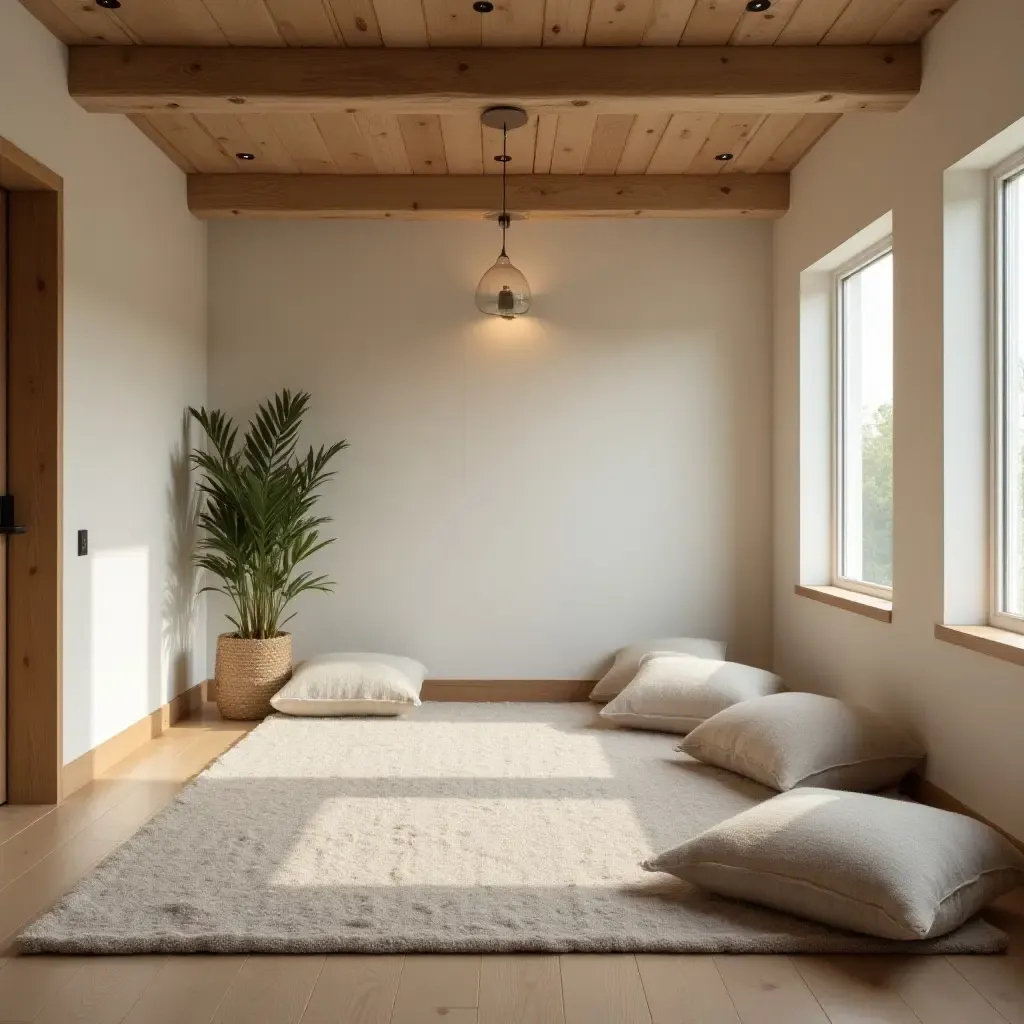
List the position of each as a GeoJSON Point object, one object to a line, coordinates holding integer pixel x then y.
{"type": "Point", "coordinates": [119, 636]}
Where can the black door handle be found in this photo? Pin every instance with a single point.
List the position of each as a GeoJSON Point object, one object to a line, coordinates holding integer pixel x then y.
{"type": "Point", "coordinates": [7, 515]}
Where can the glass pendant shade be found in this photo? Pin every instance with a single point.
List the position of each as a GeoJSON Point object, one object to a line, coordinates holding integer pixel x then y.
{"type": "Point", "coordinates": [503, 290]}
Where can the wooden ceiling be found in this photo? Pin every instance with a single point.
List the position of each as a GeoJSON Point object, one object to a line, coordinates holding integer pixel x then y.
{"type": "Point", "coordinates": [371, 139]}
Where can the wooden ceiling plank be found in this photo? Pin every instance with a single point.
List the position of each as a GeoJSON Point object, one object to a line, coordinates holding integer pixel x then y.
{"type": "Point", "coordinates": [173, 23]}
{"type": "Point", "coordinates": [764, 28]}
{"type": "Point", "coordinates": [357, 22]}
{"type": "Point", "coordinates": [59, 24]}
{"type": "Point", "coordinates": [245, 22]}
{"type": "Point", "coordinates": [146, 126]}
{"type": "Point", "coordinates": [186, 135]}
{"type": "Point", "coordinates": [303, 22]}
{"type": "Point", "coordinates": [810, 22]}
{"type": "Point", "coordinates": [424, 143]}
{"type": "Point", "coordinates": [315, 196]}
{"type": "Point", "coordinates": [271, 153]}
{"type": "Point", "coordinates": [233, 137]}
{"type": "Point", "coordinates": [608, 143]}
{"type": "Point", "coordinates": [682, 141]}
{"type": "Point", "coordinates": [401, 22]}
{"type": "Point", "coordinates": [770, 134]}
{"type": "Point", "coordinates": [618, 22]}
{"type": "Point", "coordinates": [565, 22]}
{"type": "Point", "coordinates": [712, 22]}
{"type": "Point", "coordinates": [747, 79]}
{"type": "Point", "coordinates": [383, 135]}
{"type": "Point", "coordinates": [514, 23]}
{"type": "Point", "coordinates": [808, 131]}
{"type": "Point", "coordinates": [463, 143]}
{"type": "Point", "coordinates": [858, 23]}
{"type": "Point", "coordinates": [544, 150]}
{"type": "Point", "coordinates": [301, 139]}
{"type": "Point", "coordinates": [346, 143]}
{"type": "Point", "coordinates": [668, 20]}
{"type": "Point", "coordinates": [453, 23]}
{"type": "Point", "coordinates": [642, 141]}
{"type": "Point", "coordinates": [729, 134]}
{"type": "Point", "coordinates": [572, 143]}
{"type": "Point", "coordinates": [911, 21]}
{"type": "Point", "coordinates": [522, 148]}
{"type": "Point", "coordinates": [99, 26]}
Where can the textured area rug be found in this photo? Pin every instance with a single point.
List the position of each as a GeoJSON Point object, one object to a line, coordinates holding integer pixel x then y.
{"type": "Point", "coordinates": [462, 828]}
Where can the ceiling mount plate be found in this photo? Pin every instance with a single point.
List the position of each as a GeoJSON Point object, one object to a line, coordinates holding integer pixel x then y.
{"type": "Point", "coordinates": [508, 118]}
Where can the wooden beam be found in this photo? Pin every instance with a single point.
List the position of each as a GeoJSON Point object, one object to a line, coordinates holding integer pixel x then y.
{"type": "Point", "coordinates": [738, 79]}
{"type": "Point", "coordinates": [311, 196]}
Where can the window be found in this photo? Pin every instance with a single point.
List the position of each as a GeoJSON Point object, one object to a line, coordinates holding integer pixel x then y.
{"type": "Point", "coordinates": [862, 442]}
{"type": "Point", "coordinates": [1008, 404]}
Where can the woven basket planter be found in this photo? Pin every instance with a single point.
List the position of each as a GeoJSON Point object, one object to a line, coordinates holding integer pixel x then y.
{"type": "Point", "coordinates": [249, 673]}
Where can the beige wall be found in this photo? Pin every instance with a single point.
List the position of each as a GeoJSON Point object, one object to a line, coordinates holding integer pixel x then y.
{"type": "Point", "coordinates": [520, 498]}
{"type": "Point", "coordinates": [134, 357]}
{"type": "Point", "coordinates": [969, 707]}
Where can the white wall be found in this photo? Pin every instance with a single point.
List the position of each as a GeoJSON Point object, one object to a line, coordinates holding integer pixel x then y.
{"type": "Point", "coordinates": [520, 498]}
{"type": "Point", "coordinates": [969, 707]}
{"type": "Point", "coordinates": [134, 358]}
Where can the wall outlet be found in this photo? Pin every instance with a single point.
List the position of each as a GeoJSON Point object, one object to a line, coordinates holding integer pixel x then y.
{"type": "Point", "coordinates": [83, 542]}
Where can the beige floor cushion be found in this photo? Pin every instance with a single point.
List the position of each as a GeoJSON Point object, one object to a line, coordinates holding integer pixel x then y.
{"type": "Point", "coordinates": [676, 692]}
{"type": "Point", "coordinates": [870, 864]}
{"type": "Point", "coordinates": [352, 684]}
{"type": "Point", "coordinates": [804, 739]}
{"type": "Point", "coordinates": [627, 661]}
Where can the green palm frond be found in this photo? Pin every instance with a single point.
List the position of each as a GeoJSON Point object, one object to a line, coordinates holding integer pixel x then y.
{"type": "Point", "coordinates": [256, 502]}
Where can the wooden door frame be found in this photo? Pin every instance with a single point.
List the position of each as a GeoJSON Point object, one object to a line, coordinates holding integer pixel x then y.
{"type": "Point", "coordinates": [35, 748]}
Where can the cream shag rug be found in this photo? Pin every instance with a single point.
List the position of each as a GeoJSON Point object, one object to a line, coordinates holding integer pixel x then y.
{"type": "Point", "coordinates": [462, 828]}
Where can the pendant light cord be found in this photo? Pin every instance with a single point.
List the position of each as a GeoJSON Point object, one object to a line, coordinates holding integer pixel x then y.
{"type": "Point", "coordinates": [504, 170]}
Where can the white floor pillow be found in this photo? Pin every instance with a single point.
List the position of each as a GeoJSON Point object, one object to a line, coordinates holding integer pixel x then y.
{"type": "Point", "coordinates": [676, 692]}
{"type": "Point", "coordinates": [627, 661]}
{"type": "Point", "coordinates": [890, 868]}
{"type": "Point", "coordinates": [804, 739]}
{"type": "Point", "coordinates": [352, 684]}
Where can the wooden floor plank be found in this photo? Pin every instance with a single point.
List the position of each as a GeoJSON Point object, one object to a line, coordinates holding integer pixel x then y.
{"type": "Point", "coordinates": [435, 987]}
{"type": "Point", "coordinates": [27, 983]}
{"type": "Point", "coordinates": [602, 989]}
{"type": "Point", "coordinates": [16, 817]}
{"type": "Point", "coordinates": [769, 990]}
{"type": "Point", "coordinates": [1000, 979]}
{"type": "Point", "coordinates": [102, 991]}
{"type": "Point", "coordinates": [685, 990]}
{"type": "Point", "coordinates": [187, 990]}
{"type": "Point", "coordinates": [520, 990]}
{"type": "Point", "coordinates": [936, 992]}
{"type": "Point", "coordinates": [852, 990]}
{"type": "Point", "coordinates": [270, 990]}
{"type": "Point", "coordinates": [355, 990]}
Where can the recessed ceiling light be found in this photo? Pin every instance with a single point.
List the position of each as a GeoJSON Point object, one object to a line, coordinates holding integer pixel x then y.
{"type": "Point", "coordinates": [483, 6]}
{"type": "Point", "coordinates": [757, 6]}
{"type": "Point", "coordinates": [724, 156]}
{"type": "Point", "coordinates": [245, 156]}
{"type": "Point", "coordinates": [110, 5]}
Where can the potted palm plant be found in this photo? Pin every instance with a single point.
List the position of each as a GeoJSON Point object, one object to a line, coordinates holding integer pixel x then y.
{"type": "Point", "coordinates": [258, 527]}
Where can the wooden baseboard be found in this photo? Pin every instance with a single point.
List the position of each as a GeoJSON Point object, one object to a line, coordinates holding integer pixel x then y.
{"type": "Point", "coordinates": [518, 690]}
{"type": "Point", "coordinates": [926, 792]}
{"type": "Point", "coordinates": [100, 759]}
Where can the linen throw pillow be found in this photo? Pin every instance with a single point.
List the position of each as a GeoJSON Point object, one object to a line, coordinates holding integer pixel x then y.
{"type": "Point", "coordinates": [352, 684]}
{"type": "Point", "coordinates": [804, 739]}
{"type": "Point", "coordinates": [627, 661]}
{"type": "Point", "coordinates": [676, 692]}
{"type": "Point", "coordinates": [890, 868]}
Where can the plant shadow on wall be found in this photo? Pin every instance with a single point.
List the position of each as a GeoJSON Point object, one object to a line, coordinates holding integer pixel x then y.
{"type": "Point", "coordinates": [257, 500]}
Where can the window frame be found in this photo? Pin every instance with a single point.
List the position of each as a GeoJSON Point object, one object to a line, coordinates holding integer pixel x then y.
{"type": "Point", "coordinates": [1009, 169]}
{"type": "Point", "coordinates": [863, 259]}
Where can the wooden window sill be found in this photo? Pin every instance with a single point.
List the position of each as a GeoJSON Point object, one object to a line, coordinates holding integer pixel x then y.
{"type": "Point", "coordinates": [850, 601]}
{"type": "Point", "coordinates": [990, 640]}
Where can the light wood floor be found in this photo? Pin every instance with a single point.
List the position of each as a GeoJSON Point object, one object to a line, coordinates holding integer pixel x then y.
{"type": "Point", "coordinates": [43, 851]}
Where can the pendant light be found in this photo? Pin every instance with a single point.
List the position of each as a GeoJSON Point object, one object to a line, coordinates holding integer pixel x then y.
{"type": "Point", "coordinates": [503, 291]}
